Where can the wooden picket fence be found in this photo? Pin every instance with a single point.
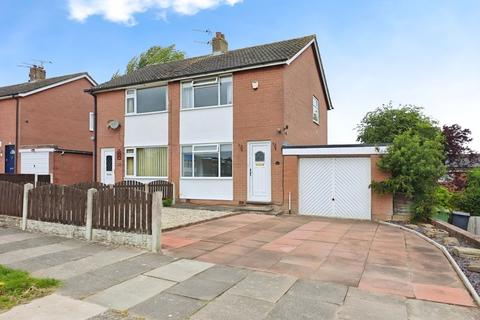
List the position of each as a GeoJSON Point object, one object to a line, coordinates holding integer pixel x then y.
{"type": "Point", "coordinates": [90, 185]}
{"type": "Point", "coordinates": [161, 185]}
{"type": "Point", "coordinates": [123, 209]}
{"type": "Point", "coordinates": [22, 179]}
{"type": "Point", "coordinates": [11, 199]}
{"type": "Point", "coordinates": [59, 204]}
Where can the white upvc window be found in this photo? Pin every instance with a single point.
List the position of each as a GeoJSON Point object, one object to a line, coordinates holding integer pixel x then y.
{"type": "Point", "coordinates": [146, 162]}
{"type": "Point", "coordinates": [91, 121]}
{"type": "Point", "coordinates": [207, 161]}
{"type": "Point", "coordinates": [207, 92]}
{"type": "Point", "coordinates": [146, 100]}
{"type": "Point", "coordinates": [315, 110]}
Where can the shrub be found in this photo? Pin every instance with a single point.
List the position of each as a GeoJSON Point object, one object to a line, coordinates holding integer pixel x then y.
{"type": "Point", "coordinates": [469, 199]}
{"type": "Point", "coordinates": [444, 198]}
{"type": "Point", "coordinates": [167, 202]}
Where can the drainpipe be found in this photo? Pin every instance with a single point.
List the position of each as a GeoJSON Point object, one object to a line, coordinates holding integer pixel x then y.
{"type": "Point", "coordinates": [94, 137]}
{"type": "Point", "coordinates": [17, 129]}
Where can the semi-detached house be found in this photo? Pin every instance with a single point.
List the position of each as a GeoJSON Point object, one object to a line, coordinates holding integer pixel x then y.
{"type": "Point", "coordinates": [216, 125]}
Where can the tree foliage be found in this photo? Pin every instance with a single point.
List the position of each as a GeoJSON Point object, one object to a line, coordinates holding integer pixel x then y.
{"type": "Point", "coordinates": [456, 144]}
{"type": "Point", "coordinates": [154, 55]}
{"type": "Point", "coordinates": [414, 158]}
{"type": "Point", "coordinates": [386, 122]}
{"type": "Point", "coordinates": [469, 199]}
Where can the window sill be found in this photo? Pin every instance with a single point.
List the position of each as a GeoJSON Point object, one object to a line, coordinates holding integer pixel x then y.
{"type": "Point", "coordinates": [145, 113]}
{"type": "Point", "coordinates": [145, 178]}
{"type": "Point", "coordinates": [204, 108]}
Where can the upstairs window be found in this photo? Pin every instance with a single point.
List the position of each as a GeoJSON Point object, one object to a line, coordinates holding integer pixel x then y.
{"type": "Point", "coordinates": [146, 100]}
{"type": "Point", "coordinates": [208, 92]}
{"type": "Point", "coordinates": [91, 121]}
{"type": "Point", "coordinates": [315, 110]}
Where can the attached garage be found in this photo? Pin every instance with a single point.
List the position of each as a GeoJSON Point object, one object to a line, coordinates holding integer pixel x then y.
{"type": "Point", "coordinates": [335, 187]}
{"type": "Point", "coordinates": [334, 181]}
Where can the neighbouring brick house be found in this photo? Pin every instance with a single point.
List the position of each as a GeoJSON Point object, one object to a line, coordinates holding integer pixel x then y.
{"type": "Point", "coordinates": [216, 125]}
{"type": "Point", "coordinates": [44, 127]}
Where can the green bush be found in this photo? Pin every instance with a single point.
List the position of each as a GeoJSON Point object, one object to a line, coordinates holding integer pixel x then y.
{"type": "Point", "coordinates": [469, 199]}
{"type": "Point", "coordinates": [167, 202]}
{"type": "Point", "coordinates": [444, 199]}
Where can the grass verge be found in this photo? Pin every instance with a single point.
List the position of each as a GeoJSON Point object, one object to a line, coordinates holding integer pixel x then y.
{"type": "Point", "coordinates": [18, 287]}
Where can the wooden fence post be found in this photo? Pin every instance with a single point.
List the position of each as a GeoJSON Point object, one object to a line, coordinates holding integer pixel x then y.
{"type": "Point", "coordinates": [157, 204]}
{"type": "Point", "coordinates": [26, 188]}
{"type": "Point", "coordinates": [89, 214]}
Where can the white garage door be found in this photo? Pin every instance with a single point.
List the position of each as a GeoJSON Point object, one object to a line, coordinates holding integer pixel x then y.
{"type": "Point", "coordinates": [35, 162]}
{"type": "Point", "coordinates": [335, 187]}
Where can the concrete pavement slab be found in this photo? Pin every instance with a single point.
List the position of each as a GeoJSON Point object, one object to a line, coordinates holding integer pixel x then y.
{"type": "Point", "coordinates": [424, 310]}
{"type": "Point", "coordinates": [319, 291]}
{"type": "Point", "coordinates": [35, 241]}
{"type": "Point", "coordinates": [166, 306]}
{"type": "Point", "coordinates": [302, 308]}
{"type": "Point", "coordinates": [263, 286]}
{"type": "Point", "coordinates": [85, 285]}
{"type": "Point", "coordinates": [179, 270]}
{"type": "Point", "coordinates": [22, 254]}
{"type": "Point", "coordinates": [53, 259]}
{"type": "Point", "coordinates": [198, 288]}
{"type": "Point", "coordinates": [224, 274]}
{"type": "Point", "coordinates": [96, 261]}
{"type": "Point", "coordinates": [130, 293]}
{"type": "Point", "coordinates": [18, 236]}
{"type": "Point", "coordinates": [361, 304]}
{"type": "Point", "coordinates": [233, 307]}
{"type": "Point", "coordinates": [53, 307]}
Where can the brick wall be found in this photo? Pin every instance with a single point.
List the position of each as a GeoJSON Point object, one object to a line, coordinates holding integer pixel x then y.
{"type": "Point", "coordinates": [69, 168]}
{"type": "Point", "coordinates": [111, 106]}
{"type": "Point", "coordinates": [301, 82]}
{"type": "Point", "coordinates": [174, 134]}
{"type": "Point", "coordinates": [7, 128]}
{"type": "Point", "coordinates": [257, 114]}
{"type": "Point", "coordinates": [58, 116]}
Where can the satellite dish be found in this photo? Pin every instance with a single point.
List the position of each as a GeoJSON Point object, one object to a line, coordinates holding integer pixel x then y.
{"type": "Point", "coordinates": [113, 124]}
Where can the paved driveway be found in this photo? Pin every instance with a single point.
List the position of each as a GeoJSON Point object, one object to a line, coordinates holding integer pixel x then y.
{"type": "Point", "coordinates": [98, 279]}
{"type": "Point", "coordinates": [370, 256]}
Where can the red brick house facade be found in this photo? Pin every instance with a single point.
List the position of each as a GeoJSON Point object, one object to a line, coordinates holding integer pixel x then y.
{"type": "Point", "coordinates": [221, 125]}
{"type": "Point", "coordinates": [44, 128]}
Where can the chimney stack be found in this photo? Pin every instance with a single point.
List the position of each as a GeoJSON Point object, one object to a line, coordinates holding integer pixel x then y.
{"type": "Point", "coordinates": [219, 44]}
{"type": "Point", "coordinates": [37, 73]}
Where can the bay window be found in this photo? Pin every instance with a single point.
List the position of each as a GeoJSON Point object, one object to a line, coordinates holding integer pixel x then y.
{"type": "Point", "coordinates": [209, 92]}
{"type": "Point", "coordinates": [212, 160]}
{"type": "Point", "coordinates": [146, 100]}
{"type": "Point", "coordinates": [146, 162]}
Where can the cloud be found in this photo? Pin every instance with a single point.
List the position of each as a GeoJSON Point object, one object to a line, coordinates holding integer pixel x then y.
{"type": "Point", "coordinates": [123, 11]}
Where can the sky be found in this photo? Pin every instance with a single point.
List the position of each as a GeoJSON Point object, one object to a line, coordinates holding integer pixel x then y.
{"type": "Point", "coordinates": [421, 52]}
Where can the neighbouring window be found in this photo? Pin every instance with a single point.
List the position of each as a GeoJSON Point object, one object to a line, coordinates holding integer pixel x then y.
{"type": "Point", "coordinates": [213, 160]}
{"type": "Point", "coordinates": [315, 110]}
{"type": "Point", "coordinates": [91, 121]}
{"type": "Point", "coordinates": [146, 162]}
{"type": "Point", "coordinates": [210, 92]}
{"type": "Point", "coordinates": [146, 100]}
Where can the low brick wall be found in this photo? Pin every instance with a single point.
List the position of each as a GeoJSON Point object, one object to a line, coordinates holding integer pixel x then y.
{"type": "Point", "coordinates": [458, 232]}
{"type": "Point", "coordinates": [143, 241]}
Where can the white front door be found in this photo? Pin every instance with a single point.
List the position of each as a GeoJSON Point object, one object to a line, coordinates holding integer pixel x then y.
{"type": "Point", "coordinates": [108, 166]}
{"type": "Point", "coordinates": [259, 172]}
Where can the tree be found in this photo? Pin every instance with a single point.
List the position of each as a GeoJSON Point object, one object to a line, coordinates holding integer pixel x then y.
{"type": "Point", "coordinates": [415, 164]}
{"type": "Point", "coordinates": [456, 144]}
{"type": "Point", "coordinates": [154, 55]}
{"type": "Point", "coordinates": [415, 155]}
{"type": "Point", "coordinates": [386, 122]}
{"type": "Point", "coordinates": [469, 199]}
